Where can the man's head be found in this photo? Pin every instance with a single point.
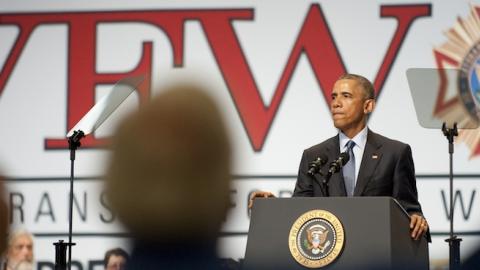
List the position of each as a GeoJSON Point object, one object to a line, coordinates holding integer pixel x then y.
{"type": "Point", "coordinates": [115, 259]}
{"type": "Point", "coordinates": [169, 175]}
{"type": "Point", "coordinates": [353, 99]}
{"type": "Point", "coordinates": [20, 248]}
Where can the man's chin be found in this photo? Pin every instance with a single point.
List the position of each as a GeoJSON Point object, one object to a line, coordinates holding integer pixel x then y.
{"type": "Point", "coordinates": [339, 124]}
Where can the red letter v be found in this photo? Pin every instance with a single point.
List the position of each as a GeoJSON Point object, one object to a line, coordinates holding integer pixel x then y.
{"type": "Point", "coordinates": [314, 40]}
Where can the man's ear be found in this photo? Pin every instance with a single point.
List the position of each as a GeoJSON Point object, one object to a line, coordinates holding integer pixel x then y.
{"type": "Point", "coordinates": [369, 105]}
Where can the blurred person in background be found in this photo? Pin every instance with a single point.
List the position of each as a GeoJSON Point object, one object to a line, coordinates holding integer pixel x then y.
{"type": "Point", "coordinates": [115, 259]}
{"type": "Point", "coordinates": [19, 254]}
{"type": "Point", "coordinates": [169, 180]}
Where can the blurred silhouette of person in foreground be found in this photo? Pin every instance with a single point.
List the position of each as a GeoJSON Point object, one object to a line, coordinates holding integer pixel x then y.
{"type": "Point", "coordinates": [3, 219]}
{"type": "Point", "coordinates": [115, 259]}
{"type": "Point", "coordinates": [19, 254]}
{"type": "Point", "coordinates": [472, 262]}
{"type": "Point", "coordinates": [169, 180]}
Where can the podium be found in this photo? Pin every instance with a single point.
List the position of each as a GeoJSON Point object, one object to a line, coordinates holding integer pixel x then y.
{"type": "Point", "coordinates": [376, 235]}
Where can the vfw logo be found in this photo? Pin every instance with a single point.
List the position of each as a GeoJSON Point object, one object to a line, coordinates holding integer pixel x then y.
{"type": "Point", "coordinates": [462, 51]}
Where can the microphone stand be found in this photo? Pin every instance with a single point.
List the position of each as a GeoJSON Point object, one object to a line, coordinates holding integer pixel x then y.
{"type": "Point", "coordinates": [335, 167]}
{"type": "Point", "coordinates": [325, 181]}
{"type": "Point", "coordinates": [453, 241]}
{"type": "Point", "coordinates": [315, 167]}
{"type": "Point", "coordinates": [73, 144]}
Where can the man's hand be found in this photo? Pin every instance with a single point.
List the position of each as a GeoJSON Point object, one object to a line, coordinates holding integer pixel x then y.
{"type": "Point", "coordinates": [261, 194]}
{"type": "Point", "coordinates": [418, 226]}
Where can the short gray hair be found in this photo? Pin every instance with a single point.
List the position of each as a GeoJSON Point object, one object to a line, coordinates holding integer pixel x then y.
{"type": "Point", "coordinates": [367, 86]}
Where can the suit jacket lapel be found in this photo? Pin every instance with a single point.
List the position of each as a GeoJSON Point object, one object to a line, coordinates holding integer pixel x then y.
{"type": "Point", "coordinates": [336, 183]}
{"type": "Point", "coordinates": [370, 159]}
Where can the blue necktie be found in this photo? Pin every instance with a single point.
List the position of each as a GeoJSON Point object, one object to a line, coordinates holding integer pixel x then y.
{"type": "Point", "coordinates": [349, 170]}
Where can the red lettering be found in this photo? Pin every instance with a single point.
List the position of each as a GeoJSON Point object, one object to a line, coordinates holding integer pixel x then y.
{"type": "Point", "coordinates": [405, 15]}
{"type": "Point", "coordinates": [82, 77]}
{"type": "Point", "coordinates": [314, 39]}
{"type": "Point", "coordinates": [26, 24]}
{"type": "Point", "coordinates": [319, 47]}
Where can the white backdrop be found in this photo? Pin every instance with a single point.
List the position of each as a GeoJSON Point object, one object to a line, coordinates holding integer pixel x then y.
{"type": "Point", "coordinates": [35, 88]}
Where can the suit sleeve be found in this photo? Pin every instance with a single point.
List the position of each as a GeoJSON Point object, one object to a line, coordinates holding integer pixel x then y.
{"type": "Point", "coordinates": [405, 185]}
{"type": "Point", "coordinates": [304, 185]}
{"type": "Point", "coordinates": [404, 182]}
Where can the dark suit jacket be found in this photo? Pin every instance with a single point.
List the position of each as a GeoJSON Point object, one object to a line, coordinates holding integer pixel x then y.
{"type": "Point", "coordinates": [386, 169]}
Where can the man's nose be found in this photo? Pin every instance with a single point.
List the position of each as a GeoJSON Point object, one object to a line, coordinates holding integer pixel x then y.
{"type": "Point", "coordinates": [336, 103]}
{"type": "Point", "coordinates": [24, 255]}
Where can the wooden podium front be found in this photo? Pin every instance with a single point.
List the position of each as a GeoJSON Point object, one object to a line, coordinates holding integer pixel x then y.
{"type": "Point", "coordinates": [374, 234]}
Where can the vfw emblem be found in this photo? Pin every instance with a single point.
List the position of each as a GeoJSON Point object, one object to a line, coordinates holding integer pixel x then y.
{"type": "Point", "coordinates": [461, 51]}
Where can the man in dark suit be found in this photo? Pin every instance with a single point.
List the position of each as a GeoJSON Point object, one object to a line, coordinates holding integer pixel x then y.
{"type": "Point", "coordinates": [377, 166]}
{"type": "Point", "coordinates": [387, 170]}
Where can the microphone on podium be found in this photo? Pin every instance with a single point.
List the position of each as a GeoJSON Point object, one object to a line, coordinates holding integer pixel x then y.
{"type": "Point", "coordinates": [315, 166]}
{"type": "Point", "coordinates": [338, 163]}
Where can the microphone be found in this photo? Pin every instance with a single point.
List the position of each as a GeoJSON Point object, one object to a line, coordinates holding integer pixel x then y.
{"type": "Point", "coordinates": [314, 166]}
{"type": "Point", "coordinates": [337, 164]}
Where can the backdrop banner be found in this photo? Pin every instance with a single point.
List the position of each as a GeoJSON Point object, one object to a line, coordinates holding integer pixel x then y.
{"type": "Point", "coordinates": [270, 64]}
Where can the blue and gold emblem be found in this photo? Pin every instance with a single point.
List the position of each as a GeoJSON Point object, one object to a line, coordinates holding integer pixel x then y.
{"type": "Point", "coordinates": [316, 238]}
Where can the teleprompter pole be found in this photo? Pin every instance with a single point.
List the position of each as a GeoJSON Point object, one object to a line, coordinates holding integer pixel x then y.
{"type": "Point", "coordinates": [453, 240]}
{"type": "Point", "coordinates": [73, 144]}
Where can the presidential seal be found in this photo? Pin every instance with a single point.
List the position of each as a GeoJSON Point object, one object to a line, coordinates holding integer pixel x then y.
{"type": "Point", "coordinates": [316, 238]}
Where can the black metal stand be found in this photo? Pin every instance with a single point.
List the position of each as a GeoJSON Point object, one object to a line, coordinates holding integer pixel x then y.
{"type": "Point", "coordinates": [324, 185]}
{"type": "Point", "coordinates": [314, 168]}
{"type": "Point", "coordinates": [73, 144]}
{"type": "Point", "coordinates": [453, 241]}
{"type": "Point", "coordinates": [335, 167]}
{"type": "Point", "coordinates": [60, 255]}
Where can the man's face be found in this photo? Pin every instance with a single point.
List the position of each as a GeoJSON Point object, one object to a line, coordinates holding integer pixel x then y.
{"type": "Point", "coordinates": [349, 105]}
{"type": "Point", "coordinates": [116, 263]}
{"type": "Point", "coordinates": [21, 249]}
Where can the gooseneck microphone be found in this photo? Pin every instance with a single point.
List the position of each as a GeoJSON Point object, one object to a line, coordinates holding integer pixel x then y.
{"type": "Point", "coordinates": [315, 166]}
{"type": "Point", "coordinates": [337, 164]}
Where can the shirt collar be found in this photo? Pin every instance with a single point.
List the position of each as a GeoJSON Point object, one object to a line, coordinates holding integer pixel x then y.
{"type": "Point", "coordinates": [360, 139]}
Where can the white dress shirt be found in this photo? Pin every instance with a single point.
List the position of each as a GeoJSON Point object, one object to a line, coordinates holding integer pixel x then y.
{"type": "Point", "coordinates": [360, 141]}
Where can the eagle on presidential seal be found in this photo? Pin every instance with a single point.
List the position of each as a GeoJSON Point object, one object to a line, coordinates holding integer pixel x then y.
{"type": "Point", "coordinates": [316, 240]}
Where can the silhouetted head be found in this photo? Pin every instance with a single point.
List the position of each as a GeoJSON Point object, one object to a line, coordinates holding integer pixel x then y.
{"type": "Point", "coordinates": [3, 218]}
{"type": "Point", "coordinates": [169, 175]}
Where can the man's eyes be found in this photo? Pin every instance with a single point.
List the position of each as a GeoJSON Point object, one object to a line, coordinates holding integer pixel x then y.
{"type": "Point", "coordinates": [22, 246]}
{"type": "Point", "coordinates": [346, 95]}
